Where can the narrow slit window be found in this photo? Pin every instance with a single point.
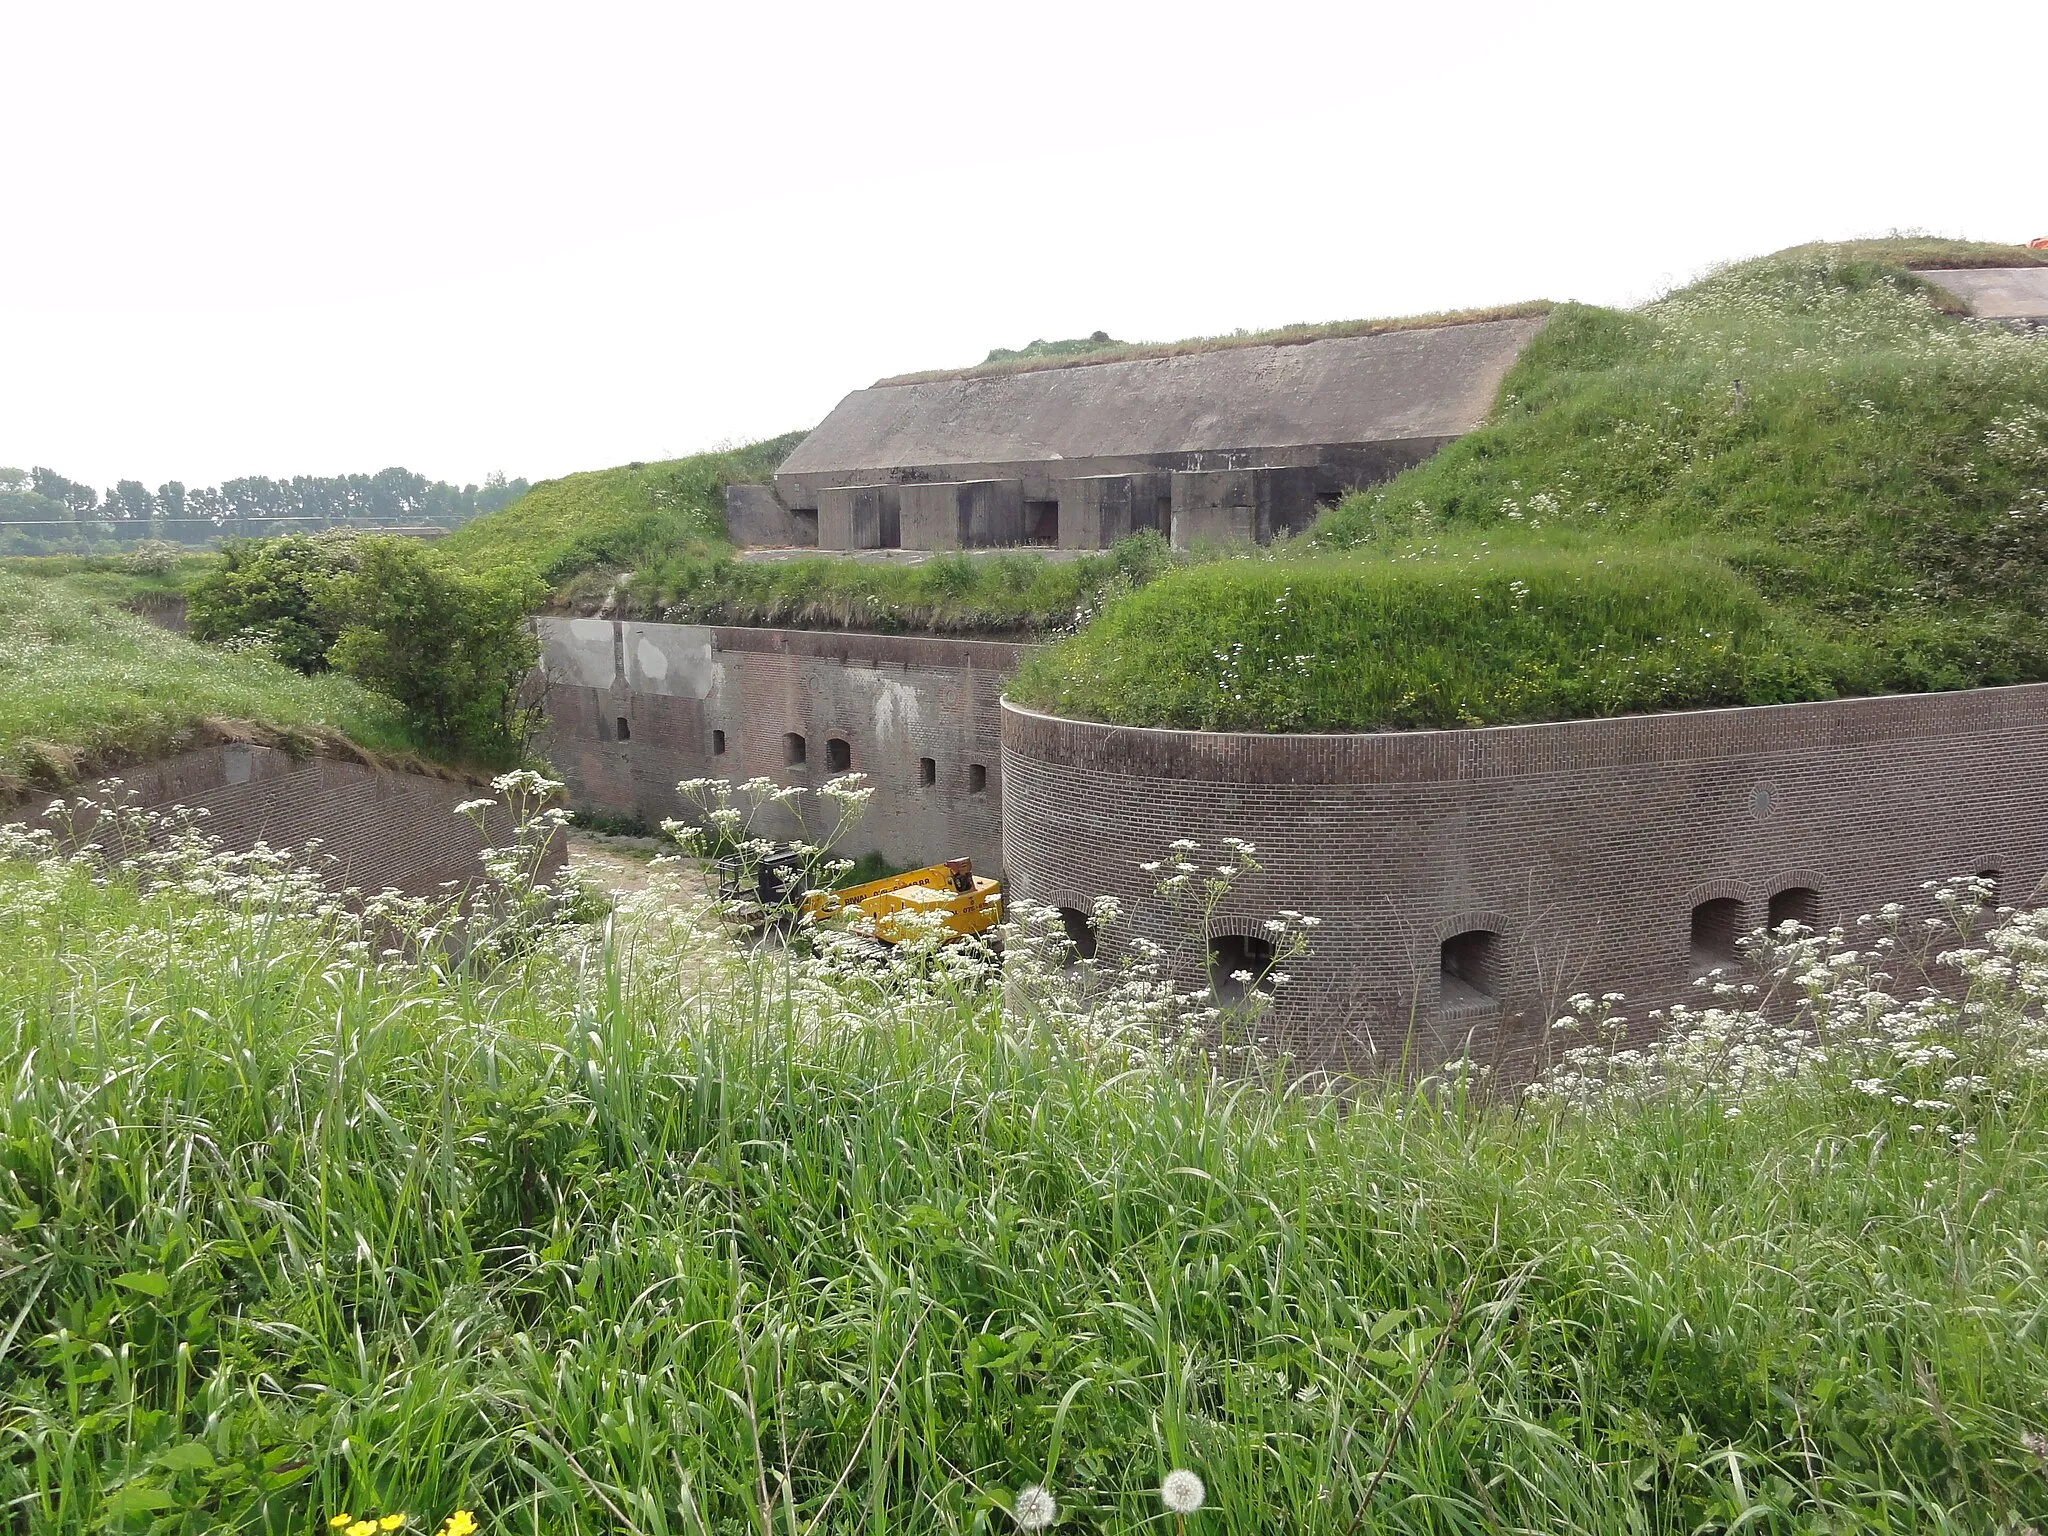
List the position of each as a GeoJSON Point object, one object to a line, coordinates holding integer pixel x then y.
{"type": "Point", "coordinates": [718, 743]}
{"type": "Point", "coordinates": [625, 729]}
{"type": "Point", "coordinates": [927, 771]}
{"type": "Point", "coordinates": [977, 778]}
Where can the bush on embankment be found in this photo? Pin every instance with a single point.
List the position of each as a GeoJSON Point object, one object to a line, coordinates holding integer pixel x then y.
{"type": "Point", "coordinates": [1867, 472]}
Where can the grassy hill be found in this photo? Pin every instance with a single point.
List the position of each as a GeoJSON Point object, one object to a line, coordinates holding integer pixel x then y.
{"type": "Point", "coordinates": [87, 685]}
{"type": "Point", "coordinates": [1801, 477]}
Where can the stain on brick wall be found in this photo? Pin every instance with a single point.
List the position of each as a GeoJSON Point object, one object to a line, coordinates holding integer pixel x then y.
{"type": "Point", "coordinates": [1582, 847]}
{"type": "Point", "coordinates": [634, 708]}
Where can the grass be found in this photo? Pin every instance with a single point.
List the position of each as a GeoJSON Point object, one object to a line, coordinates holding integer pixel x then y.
{"type": "Point", "coordinates": [630, 1235]}
{"type": "Point", "coordinates": [615, 519]}
{"type": "Point", "coordinates": [87, 685]}
{"type": "Point", "coordinates": [1795, 479]}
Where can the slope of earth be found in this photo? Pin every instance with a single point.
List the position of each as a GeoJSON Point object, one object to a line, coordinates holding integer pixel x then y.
{"type": "Point", "coordinates": [1802, 477]}
{"type": "Point", "coordinates": [86, 684]}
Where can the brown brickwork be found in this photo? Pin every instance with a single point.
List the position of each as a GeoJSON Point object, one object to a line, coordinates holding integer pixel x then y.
{"type": "Point", "coordinates": [1585, 845]}
{"type": "Point", "coordinates": [377, 827]}
{"type": "Point", "coordinates": [894, 700]}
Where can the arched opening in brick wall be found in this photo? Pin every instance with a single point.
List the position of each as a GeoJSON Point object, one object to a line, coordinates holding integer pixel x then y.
{"type": "Point", "coordinates": [1717, 925]}
{"type": "Point", "coordinates": [1796, 904]}
{"type": "Point", "coordinates": [838, 754]}
{"type": "Point", "coordinates": [794, 748]}
{"type": "Point", "coordinates": [927, 772]}
{"type": "Point", "coordinates": [1468, 968]}
{"type": "Point", "coordinates": [977, 778]}
{"type": "Point", "coordinates": [1990, 888]}
{"type": "Point", "coordinates": [1080, 932]}
{"type": "Point", "coordinates": [718, 743]}
{"type": "Point", "coordinates": [1239, 964]}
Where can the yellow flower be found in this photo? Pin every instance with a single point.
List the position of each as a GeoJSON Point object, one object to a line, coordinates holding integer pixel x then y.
{"type": "Point", "coordinates": [363, 1528]}
{"type": "Point", "coordinates": [461, 1523]}
{"type": "Point", "coordinates": [392, 1522]}
{"type": "Point", "coordinates": [340, 1520]}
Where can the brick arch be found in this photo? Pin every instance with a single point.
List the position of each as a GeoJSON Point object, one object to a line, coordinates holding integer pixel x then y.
{"type": "Point", "coordinates": [1719, 890]}
{"type": "Point", "coordinates": [1796, 878]}
{"type": "Point", "coordinates": [1488, 919]}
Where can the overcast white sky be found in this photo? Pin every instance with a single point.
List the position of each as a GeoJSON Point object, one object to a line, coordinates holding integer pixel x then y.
{"type": "Point", "coordinates": [278, 239]}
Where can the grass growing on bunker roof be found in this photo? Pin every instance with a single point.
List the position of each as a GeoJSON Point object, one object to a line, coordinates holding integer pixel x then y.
{"type": "Point", "coordinates": [1800, 477]}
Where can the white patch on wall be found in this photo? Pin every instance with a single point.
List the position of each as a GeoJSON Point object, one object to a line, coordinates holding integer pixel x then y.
{"type": "Point", "coordinates": [895, 703]}
{"type": "Point", "coordinates": [578, 651]}
{"type": "Point", "coordinates": [673, 660]}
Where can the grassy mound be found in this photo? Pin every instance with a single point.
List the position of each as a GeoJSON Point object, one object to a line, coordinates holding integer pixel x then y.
{"type": "Point", "coordinates": [616, 519]}
{"type": "Point", "coordinates": [638, 1238]}
{"type": "Point", "coordinates": [1800, 477]}
{"type": "Point", "coordinates": [85, 684]}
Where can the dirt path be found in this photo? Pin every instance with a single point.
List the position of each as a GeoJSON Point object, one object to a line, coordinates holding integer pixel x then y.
{"type": "Point", "coordinates": [624, 866]}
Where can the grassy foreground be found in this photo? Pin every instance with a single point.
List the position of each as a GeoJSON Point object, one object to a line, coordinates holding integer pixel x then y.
{"type": "Point", "coordinates": [86, 683]}
{"type": "Point", "coordinates": [642, 1236]}
{"type": "Point", "coordinates": [1801, 477]}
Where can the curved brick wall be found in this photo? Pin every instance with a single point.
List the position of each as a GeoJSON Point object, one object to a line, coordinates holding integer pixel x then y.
{"type": "Point", "coordinates": [1584, 846]}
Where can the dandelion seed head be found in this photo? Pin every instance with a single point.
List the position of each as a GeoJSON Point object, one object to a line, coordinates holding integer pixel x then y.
{"type": "Point", "coordinates": [1033, 1509]}
{"type": "Point", "coordinates": [1182, 1492]}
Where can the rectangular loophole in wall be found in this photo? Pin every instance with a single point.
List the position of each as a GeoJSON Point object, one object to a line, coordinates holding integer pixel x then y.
{"type": "Point", "coordinates": [794, 748]}
{"type": "Point", "coordinates": [1041, 522]}
{"type": "Point", "coordinates": [1716, 926]}
{"type": "Point", "coordinates": [718, 743]}
{"type": "Point", "coordinates": [1468, 968]}
{"type": "Point", "coordinates": [927, 771]}
{"type": "Point", "coordinates": [625, 729]}
{"type": "Point", "coordinates": [1796, 904]}
{"type": "Point", "coordinates": [838, 754]}
{"type": "Point", "coordinates": [977, 778]}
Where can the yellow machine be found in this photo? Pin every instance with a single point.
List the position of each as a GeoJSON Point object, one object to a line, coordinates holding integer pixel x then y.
{"type": "Point", "coordinates": [964, 902]}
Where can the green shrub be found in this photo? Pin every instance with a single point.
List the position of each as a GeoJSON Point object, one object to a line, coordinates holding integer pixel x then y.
{"type": "Point", "coordinates": [452, 649]}
{"type": "Point", "coordinates": [280, 590]}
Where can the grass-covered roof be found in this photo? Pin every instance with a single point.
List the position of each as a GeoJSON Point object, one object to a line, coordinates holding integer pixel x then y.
{"type": "Point", "coordinates": [1800, 477]}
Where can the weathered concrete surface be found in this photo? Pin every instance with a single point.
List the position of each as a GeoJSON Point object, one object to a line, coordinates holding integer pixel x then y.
{"type": "Point", "coordinates": [859, 517]}
{"type": "Point", "coordinates": [1240, 505]}
{"type": "Point", "coordinates": [963, 514]}
{"type": "Point", "coordinates": [1097, 510]}
{"type": "Point", "coordinates": [1998, 293]}
{"type": "Point", "coordinates": [897, 703]}
{"type": "Point", "coordinates": [1311, 403]}
{"type": "Point", "coordinates": [756, 518]}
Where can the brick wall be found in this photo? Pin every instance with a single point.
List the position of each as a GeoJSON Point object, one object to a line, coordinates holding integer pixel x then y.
{"type": "Point", "coordinates": [894, 701]}
{"type": "Point", "coordinates": [1584, 846]}
{"type": "Point", "coordinates": [377, 827]}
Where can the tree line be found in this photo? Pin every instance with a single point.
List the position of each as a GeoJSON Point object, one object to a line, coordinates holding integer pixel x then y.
{"type": "Point", "coordinates": [41, 508]}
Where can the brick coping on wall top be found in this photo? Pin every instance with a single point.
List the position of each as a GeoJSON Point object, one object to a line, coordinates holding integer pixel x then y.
{"type": "Point", "coordinates": [1510, 751]}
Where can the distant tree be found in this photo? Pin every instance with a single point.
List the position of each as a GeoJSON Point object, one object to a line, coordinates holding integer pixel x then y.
{"type": "Point", "coordinates": [15, 480]}
{"type": "Point", "coordinates": [81, 499]}
{"type": "Point", "coordinates": [453, 649]}
{"type": "Point", "coordinates": [130, 501]}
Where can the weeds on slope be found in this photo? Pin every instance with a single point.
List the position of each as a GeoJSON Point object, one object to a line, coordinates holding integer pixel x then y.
{"type": "Point", "coordinates": [624, 1227]}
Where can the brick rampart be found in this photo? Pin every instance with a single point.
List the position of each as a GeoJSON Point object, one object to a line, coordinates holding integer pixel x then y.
{"type": "Point", "coordinates": [377, 827]}
{"type": "Point", "coordinates": [703, 701]}
{"type": "Point", "coordinates": [1584, 846]}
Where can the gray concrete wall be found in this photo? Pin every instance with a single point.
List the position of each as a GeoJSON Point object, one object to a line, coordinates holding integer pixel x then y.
{"type": "Point", "coordinates": [859, 517]}
{"type": "Point", "coordinates": [1998, 293]}
{"type": "Point", "coordinates": [895, 701]}
{"type": "Point", "coordinates": [756, 518]}
{"type": "Point", "coordinates": [1584, 846]}
{"type": "Point", "coordinates": [1097, 510]}
{"type": "Point", "coordinates": [1358, 404]}
{"type": "Point", "coordinates": [963, 514]}
{"type": "Point", "coordinates": [1241, 505]}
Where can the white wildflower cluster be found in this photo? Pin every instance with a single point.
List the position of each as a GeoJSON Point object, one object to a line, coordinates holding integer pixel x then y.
{"type": "Point", "coordinates": [1931, 1018]}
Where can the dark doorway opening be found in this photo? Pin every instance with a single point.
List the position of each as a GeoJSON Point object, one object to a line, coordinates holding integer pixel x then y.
{"type": "Point", "coordinates": [1041, 522]}
{"type": "Point", "coordinates": [794, 748]}
{"type": "Point", "coordinates": [1239, 964]}
{"type": "Point", "coordinates": [1468, 967]}
{"type": "Point", "coordinates": [1716, 926]}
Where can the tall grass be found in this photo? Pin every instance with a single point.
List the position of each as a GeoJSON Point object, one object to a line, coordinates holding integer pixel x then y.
{"type": "Point", "coordinates": [638, 1233]}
